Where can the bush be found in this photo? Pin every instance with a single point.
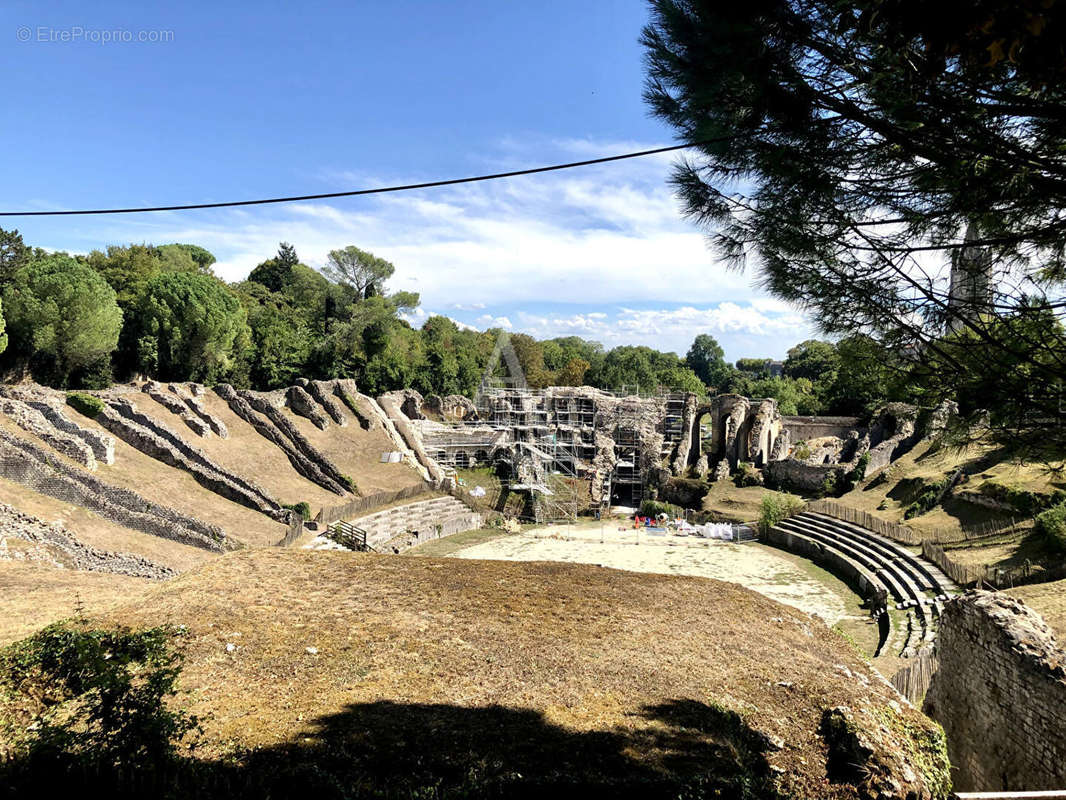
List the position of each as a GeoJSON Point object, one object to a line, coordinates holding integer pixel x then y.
{"type": "Point", "coordinates": [85, 404]}
{"type": "Point", "coordinates": [747, 475]}
{"type": "Point", "coordinates": [349, 484]}
{"type": "Point", "coordinates": [777, 506]}
{"type": "Point", "coordinates": [653, 508]}
{"type": "Point", "coordinates": [81, 700]}
{"type": "Point", "coordinates": [1051, 528]}
{"type": "Point", "coordinates": [1021, 500]}
{"type": "Point", "coordinates": [801, 451]}
{"type": "Point", "coordinates": [302, 508]}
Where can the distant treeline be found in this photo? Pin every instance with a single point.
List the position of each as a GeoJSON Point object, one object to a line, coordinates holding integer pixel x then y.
{"type": "Point", "coordinates": [82, 321]}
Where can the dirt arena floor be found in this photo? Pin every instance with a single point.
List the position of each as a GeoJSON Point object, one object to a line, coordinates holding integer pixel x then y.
{"type": "Point", "coordinates": [766, 570]}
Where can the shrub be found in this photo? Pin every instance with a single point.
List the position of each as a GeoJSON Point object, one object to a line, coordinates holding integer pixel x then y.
{"type": "Point", "coordinates": [349, 484]}
{"type": "Point", "coordinates": [775, 507]}
{"type": "Point", "coordinates": [87, 700]}
{"type": "Point", "coordinates": [653, 508]}
{"type": "Point", "coordinates": [801, 451]}
{"type": "Point", "coordinates": [302, 508]}
{"type": "Point", "coordinates": [85, 404]}
{"type": "Point", "coordinates": [747, 475]}
{"type": "Point", "coordinates": [1023, 501]}
{"type": "Point", "coordinates": [1051, 528]}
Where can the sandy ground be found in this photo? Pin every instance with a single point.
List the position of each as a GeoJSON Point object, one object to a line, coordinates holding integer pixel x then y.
{"type": "Point", "coordinates": [760, 568]}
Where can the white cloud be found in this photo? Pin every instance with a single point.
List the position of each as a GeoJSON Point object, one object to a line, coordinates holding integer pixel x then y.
{"type": "Point", "coordinates": [600, 238]}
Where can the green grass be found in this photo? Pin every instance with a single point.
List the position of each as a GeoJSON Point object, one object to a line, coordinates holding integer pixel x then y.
{"type": "Point", "coordinates": [458, 541]}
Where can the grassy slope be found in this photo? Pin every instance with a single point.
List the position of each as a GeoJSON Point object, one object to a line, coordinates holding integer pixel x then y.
{"type": "Point", "coordinates": [591, 671]}
{"type": "Point", "coordinates": [33, 595]}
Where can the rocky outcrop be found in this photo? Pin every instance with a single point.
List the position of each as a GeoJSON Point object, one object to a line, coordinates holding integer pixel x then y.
{"type": "Point", "coordinates": [65, 550]}
{"type": "Point", "coordinates": [217, 426]}
{"type": "Point", "coordinates": [322, 391]}
{"type": "Point", "coordinates": [23, 462]}
{"type": "Point", "coordinates": [152, 438]}
{"type": "Point", "coordinates": [33, 421]}
{"type": "Point", "coordinates": [303, 404]}
{"type": "Point", "coordinates": [274, 413]}
{"type": "Point", "coordinates": [266, 428]}
{"type": "Point", "coordinates": [408, 401]}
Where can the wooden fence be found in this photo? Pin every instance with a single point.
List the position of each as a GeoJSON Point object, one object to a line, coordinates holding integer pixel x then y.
{"type": "Point", "coordinates": [989, 574]}
{"type": "Point", "coordinates": [360, 505]}
{"type": "Point", "coordinates": [901, 533]}
{"type": "Point", "coordinates": [907, 535]}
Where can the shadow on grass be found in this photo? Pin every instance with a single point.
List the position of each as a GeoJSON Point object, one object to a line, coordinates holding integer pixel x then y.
{"type": "Point", "coordinates": [681, 748]}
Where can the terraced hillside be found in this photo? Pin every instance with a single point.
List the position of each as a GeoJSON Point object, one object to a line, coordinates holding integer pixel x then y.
{"type": "Point", "coordinates": [173, 476]}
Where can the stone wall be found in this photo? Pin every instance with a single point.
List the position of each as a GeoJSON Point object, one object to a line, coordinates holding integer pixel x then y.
{"type": "Point", "coordinates": [799, 475]}
{"type": "Point", "coordinates": [154, 439]}
{"type": "Point", "coordinates": [266, 428]}
{"type": "Point", "coordinates": [336, 480]}
{"type": "Point", "coordinates": [322, 391]}
{"type": "Point", "coordinates": [1000, 695]}
{"type": "Point", "coordinates": [25, 463]}
{"type": "Point", "coordinates": [33, 421]}
{"type": "Point", "coordinates": [803, 428]}
{"type": "Point", "coordinates": [64, 549]}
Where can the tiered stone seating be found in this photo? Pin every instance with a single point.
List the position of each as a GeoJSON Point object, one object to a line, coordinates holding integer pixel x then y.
{"type": "Point", "coordinates": [917, 587]}
{"type": "Point", "coordinates": [417, 521]}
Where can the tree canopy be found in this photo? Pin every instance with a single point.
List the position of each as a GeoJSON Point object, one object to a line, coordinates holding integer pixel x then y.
{"type": "Point", "coordinates": [189, 326]}
{"type": "Point", "coordinates": [62, 317]}
{"type": "Point", "coordinates": [362, 271]}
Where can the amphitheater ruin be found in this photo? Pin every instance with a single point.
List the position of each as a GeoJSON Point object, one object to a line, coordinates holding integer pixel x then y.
{"type": "Point", "coordinates": [201, 471]}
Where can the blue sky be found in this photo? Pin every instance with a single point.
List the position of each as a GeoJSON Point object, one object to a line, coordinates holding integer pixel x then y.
{"type": "Point", "coordinates": [243, 100]}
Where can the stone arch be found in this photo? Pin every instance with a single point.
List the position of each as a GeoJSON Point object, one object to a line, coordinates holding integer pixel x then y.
{"type": "Point", "coordinates": [696, 446]}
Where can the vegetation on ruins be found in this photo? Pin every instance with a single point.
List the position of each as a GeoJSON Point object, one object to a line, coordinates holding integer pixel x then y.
{"type": "Point", "coordinates": [777, 506]}
{"type": "Point", "coordinates": [85, 403]}
{"type": "Point", "coordinates": [850, 154]}
{"type": "Point", "coordinates": [1051, 528]}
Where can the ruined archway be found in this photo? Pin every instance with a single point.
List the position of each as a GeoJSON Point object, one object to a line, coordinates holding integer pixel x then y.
{"type": "Point", "coordinates": [701, 435]}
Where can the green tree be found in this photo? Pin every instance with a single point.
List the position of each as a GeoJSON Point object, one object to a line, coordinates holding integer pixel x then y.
{"type": "Point", "coordinates": [13, 255]}
{"type": "Point", "coordinates": [362, 271]}
{"type": "Point", "coordinates": [861, 150]}
{"type": "Point", "coordinates": [707, 359]}
{"type": "Point", "coordinates": [185, 258]}
{"type": "Point", "coordinates": [3, 334]}
{"type": "Point", "coordinates": [62, 317]}
{"type": "Point", "coordinates": [189, 326]}
{"type": "Point", "coordinates": [572, 373]}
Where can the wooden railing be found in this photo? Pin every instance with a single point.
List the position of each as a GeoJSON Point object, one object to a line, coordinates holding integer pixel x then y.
{"type": "Point", "coordinates": [901, 533]}
{"type": "Point", "coordinates": [990, 574]}
{"type": "Point", "coordinates": [347, 535]}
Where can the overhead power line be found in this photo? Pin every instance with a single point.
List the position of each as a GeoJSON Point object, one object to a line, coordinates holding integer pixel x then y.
{"type": "Point", "coordinates": [382, 190]}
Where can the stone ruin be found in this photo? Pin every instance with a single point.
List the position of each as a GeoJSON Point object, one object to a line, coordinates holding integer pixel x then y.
{"type": "Point", "coordinates": [625, 448]}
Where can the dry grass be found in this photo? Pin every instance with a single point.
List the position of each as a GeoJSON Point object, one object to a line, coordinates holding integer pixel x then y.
{"type": "Point", "coordinates": [733, 504]}
{"type": "Point", "coordinates": [33, 595]}
{"type": "Point", "coordinates": [1048, 600]}
{"type": "Point", "coordinates": [562, 667]}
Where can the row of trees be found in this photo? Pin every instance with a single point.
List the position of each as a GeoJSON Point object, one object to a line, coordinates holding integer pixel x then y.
{"type": "Point", "coordinates": [82, 321]}
{"type": "Point", "coordinates": [159, 311]}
